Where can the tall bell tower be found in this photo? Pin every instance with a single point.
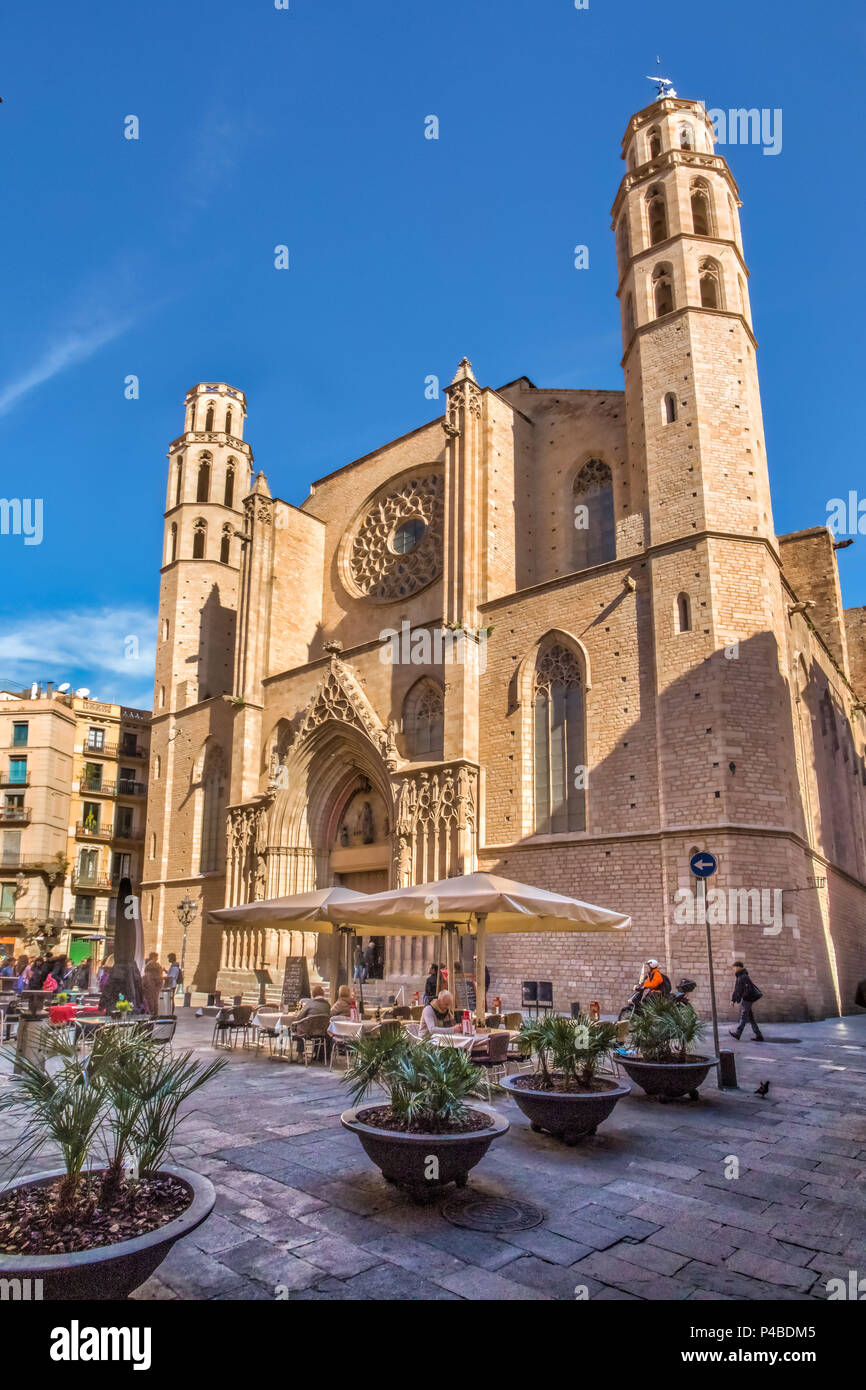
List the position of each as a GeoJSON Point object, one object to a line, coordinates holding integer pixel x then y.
{"type": "Point", "coordinates": [209, 474]}
{"type": "Point", "coordinates": [695, 440]}
{"type": "Point", "coordinates": [693, 404]}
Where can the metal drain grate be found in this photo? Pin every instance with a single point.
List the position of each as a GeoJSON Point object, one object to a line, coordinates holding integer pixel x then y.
{"type": "Point", "coordinates": [482, 1212]}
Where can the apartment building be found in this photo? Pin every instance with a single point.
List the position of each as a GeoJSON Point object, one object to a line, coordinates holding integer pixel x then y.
{"type": "Point", "coordinates": [72, 813]}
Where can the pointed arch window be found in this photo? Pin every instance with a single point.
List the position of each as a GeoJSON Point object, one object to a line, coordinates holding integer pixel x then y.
{"type": "Point", "coordinates": [199, 538]}
{"type": "Point", "coordinates": [212, 812]}
{"type": "Point", "coordinates": [684, 613]}
{"type": "Point", "coordinates": [202, 491]}
{"type": "Point", "coordinates": [559, 742]}
{"type": "Point", "coordinates": [702, 209]}
{"type": "Point", "coordinates": [663, 290]}
{"type": "Point", "coordinates": [657, 216]}
{"type": "Point", "coordinates": [229, 420]}
{"type": "Point", "coordinates": [228, 499]}
{"type": "Point", "coordinates": [629, 315]}
{"type": "Point", "coordinates": [622, 242]}
{"type": "Point", "coordinates": [424, 720]}
{"type": "Point", "coordinates": [669, 408]}
{"type": "Point", "coordinates": [594, 528]}
{"type": "Point", "coordinates": [172, 549]}
{"type": "Point", "coordinates": [209, 417]}
{"type": "Point", "coordinates": [654, 143]}
{"type": "Point", "coordinates": [686, 141]}
{"type": "Point", "coordinates": [711, 284]}
{"type": "Point", "coordinates": [226, 545]}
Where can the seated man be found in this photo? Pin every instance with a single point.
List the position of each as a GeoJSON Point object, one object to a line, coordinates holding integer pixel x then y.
{"type": "Point", "coordinates": [316, 1006]}
{"type": "Point", "coordinates": [438, 1015]}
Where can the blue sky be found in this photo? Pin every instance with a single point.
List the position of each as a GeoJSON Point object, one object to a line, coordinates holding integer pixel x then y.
{"type": "Point", "coordinates": [305, 127]}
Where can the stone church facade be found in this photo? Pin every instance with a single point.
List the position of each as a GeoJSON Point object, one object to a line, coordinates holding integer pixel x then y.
{"type": "Point", "coordinates": [551, 634]}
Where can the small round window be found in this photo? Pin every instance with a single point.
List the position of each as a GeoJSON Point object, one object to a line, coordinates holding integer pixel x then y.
{"type": "Point", "coordinates": [408, 535]}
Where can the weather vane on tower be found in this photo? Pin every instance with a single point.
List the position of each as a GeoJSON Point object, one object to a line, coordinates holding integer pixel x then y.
{"type": "Point", "coordinates": [664, 85]}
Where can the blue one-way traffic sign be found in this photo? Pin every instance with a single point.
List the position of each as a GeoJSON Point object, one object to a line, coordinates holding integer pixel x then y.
{"type": "Point", "coordinates": [703, 865]}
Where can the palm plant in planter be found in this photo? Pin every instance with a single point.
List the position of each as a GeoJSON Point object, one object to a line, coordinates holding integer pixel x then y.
{"type": "Point", "coordinates": [99, 1226]}
{"type": "Point", "coordinates": [662, 1035]}
{"type": "Point", "coordinates": [565, 1094]}
{"type": "Point", "coordinates": [426, 1135]}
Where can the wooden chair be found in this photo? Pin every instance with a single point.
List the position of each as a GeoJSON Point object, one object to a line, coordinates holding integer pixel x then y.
{"type": "Point", "coordinates": [494, 1060]}
{"type": "Point", "coordinates": [221, 1026]}
{"type": "Point", "coordinates": [162, 1030]}
{"type": "Point", "coordinates": [313, 1033]}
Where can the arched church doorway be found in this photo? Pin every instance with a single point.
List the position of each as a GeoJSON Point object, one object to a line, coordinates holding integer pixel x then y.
{"type": "Point", "coordinates": [361, 851]}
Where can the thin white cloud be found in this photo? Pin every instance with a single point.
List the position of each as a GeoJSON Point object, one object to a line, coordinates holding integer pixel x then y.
{"type": "Point", "coordinates": [72, 347]}
{"type": "Point", "coordinates": [109, 650]}
{"type": "Point", "coordinates": [101, 307]}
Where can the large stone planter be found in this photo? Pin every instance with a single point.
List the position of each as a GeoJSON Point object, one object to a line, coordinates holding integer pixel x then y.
{"type": "Point", "coordinates": [405, 1159]}
{"type": "Point", "coordinates": [567, 1115]}
{"type": "Point", "coordinates": [110, 1271]}
{"type": "Point", "coordinates": [669, 1080]}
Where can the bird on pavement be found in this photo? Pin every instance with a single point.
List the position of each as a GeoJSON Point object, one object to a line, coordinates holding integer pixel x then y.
{"type": "Point", "coordinates": [763, 1088]}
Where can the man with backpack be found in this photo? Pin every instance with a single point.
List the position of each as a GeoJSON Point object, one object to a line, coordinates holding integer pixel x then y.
{"type": "Point", "coordinates": [746, 993]}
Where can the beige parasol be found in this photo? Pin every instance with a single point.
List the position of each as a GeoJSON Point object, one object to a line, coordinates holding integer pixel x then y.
{"type": "Point", "coordinates": [323, 910]}
{"type": "Point", "coordinates": [492, 903]}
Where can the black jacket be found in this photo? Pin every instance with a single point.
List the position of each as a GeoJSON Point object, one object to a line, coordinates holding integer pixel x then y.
{"type": "Point", "coordinates": [742, 988]}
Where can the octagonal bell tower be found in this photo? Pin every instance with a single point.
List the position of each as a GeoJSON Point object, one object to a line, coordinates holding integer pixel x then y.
{"type": "Point", "coordinates": [694, 410]}
{"type": "Point", "coordinates": [209, 474]}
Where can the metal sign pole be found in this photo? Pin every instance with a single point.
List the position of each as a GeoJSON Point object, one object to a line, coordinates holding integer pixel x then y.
{"type": "Point", "coordinates": [702, 900]}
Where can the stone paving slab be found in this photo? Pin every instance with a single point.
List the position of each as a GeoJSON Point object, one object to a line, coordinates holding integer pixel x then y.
{"type": "Point", "coordinates": [645, 1209]}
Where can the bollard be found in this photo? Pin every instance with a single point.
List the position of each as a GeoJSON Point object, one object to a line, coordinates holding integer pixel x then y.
{"type": "Point", "coordinates": [728, 1069]}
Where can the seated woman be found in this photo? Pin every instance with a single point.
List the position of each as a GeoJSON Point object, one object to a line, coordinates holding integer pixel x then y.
{"type": "Point", "coordinates": [344, 1003]}
{"type": "Point", "coordinates": [437, 1015]}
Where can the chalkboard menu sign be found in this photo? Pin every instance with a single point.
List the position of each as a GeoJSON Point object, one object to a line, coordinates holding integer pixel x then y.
{"type": "Point", "coordinates": [296, 981]}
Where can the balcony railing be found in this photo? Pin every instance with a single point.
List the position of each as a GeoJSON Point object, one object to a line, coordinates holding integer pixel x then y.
{"type": "Point", "coordinates": [15, 815]}
{"type": "Point", "coordinates": [96, 919]}
{"type": "Point", "coordinates": [122, 788]}
{"type": "Point", "coordinates": [136, 750]}
{"type": "Point", "coordinates": [32, 863]}
{"type": "Point", "coordinates": [93, 881]}
{"type": "Point", "coordinates": [130, 832]}
{"type": "Point", "coordinates": [7, 780]}
{"type": "Point", "coordinates": [93, 832]}
{"type": "Point", "coordinates": [99, 750]}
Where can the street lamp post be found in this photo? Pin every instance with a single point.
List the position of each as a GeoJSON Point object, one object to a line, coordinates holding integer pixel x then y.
{"type": "Point", "coordinates": [186, 911]}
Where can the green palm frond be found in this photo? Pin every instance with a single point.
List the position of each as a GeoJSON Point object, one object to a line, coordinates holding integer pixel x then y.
{"type": "Point", "coordinates": [664, 1031]}
{"type": "Point", "coordinates": [427, 1086]}
{"type": "Point", "coordinates": [573, 1048]}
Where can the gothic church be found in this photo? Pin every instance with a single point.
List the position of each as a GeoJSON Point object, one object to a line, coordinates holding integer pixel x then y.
{"type": "Point", "coordinates": [644, 668]}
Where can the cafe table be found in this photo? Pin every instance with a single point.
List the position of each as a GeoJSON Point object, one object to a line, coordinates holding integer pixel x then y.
{"type": "Point", "coordinates": [351, 1028]}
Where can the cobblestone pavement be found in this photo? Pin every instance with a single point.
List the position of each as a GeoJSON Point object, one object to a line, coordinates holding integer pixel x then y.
{"type": "Point", "coordinates": [643, 1210]}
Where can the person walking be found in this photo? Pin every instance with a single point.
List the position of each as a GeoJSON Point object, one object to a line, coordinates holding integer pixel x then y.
{"type": "Point", "coordinates": [359, 970]}
{"type": "Point", "coordinates": [369, 958]}
{"type": "Point", "coordinates": [746, 993]}
{"type": "Point", "coordinates": [173, 976]}
{"type": "Point", "coordinates": [151, 983]}
{"type": "Point", "coordinates": [431, 984]}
